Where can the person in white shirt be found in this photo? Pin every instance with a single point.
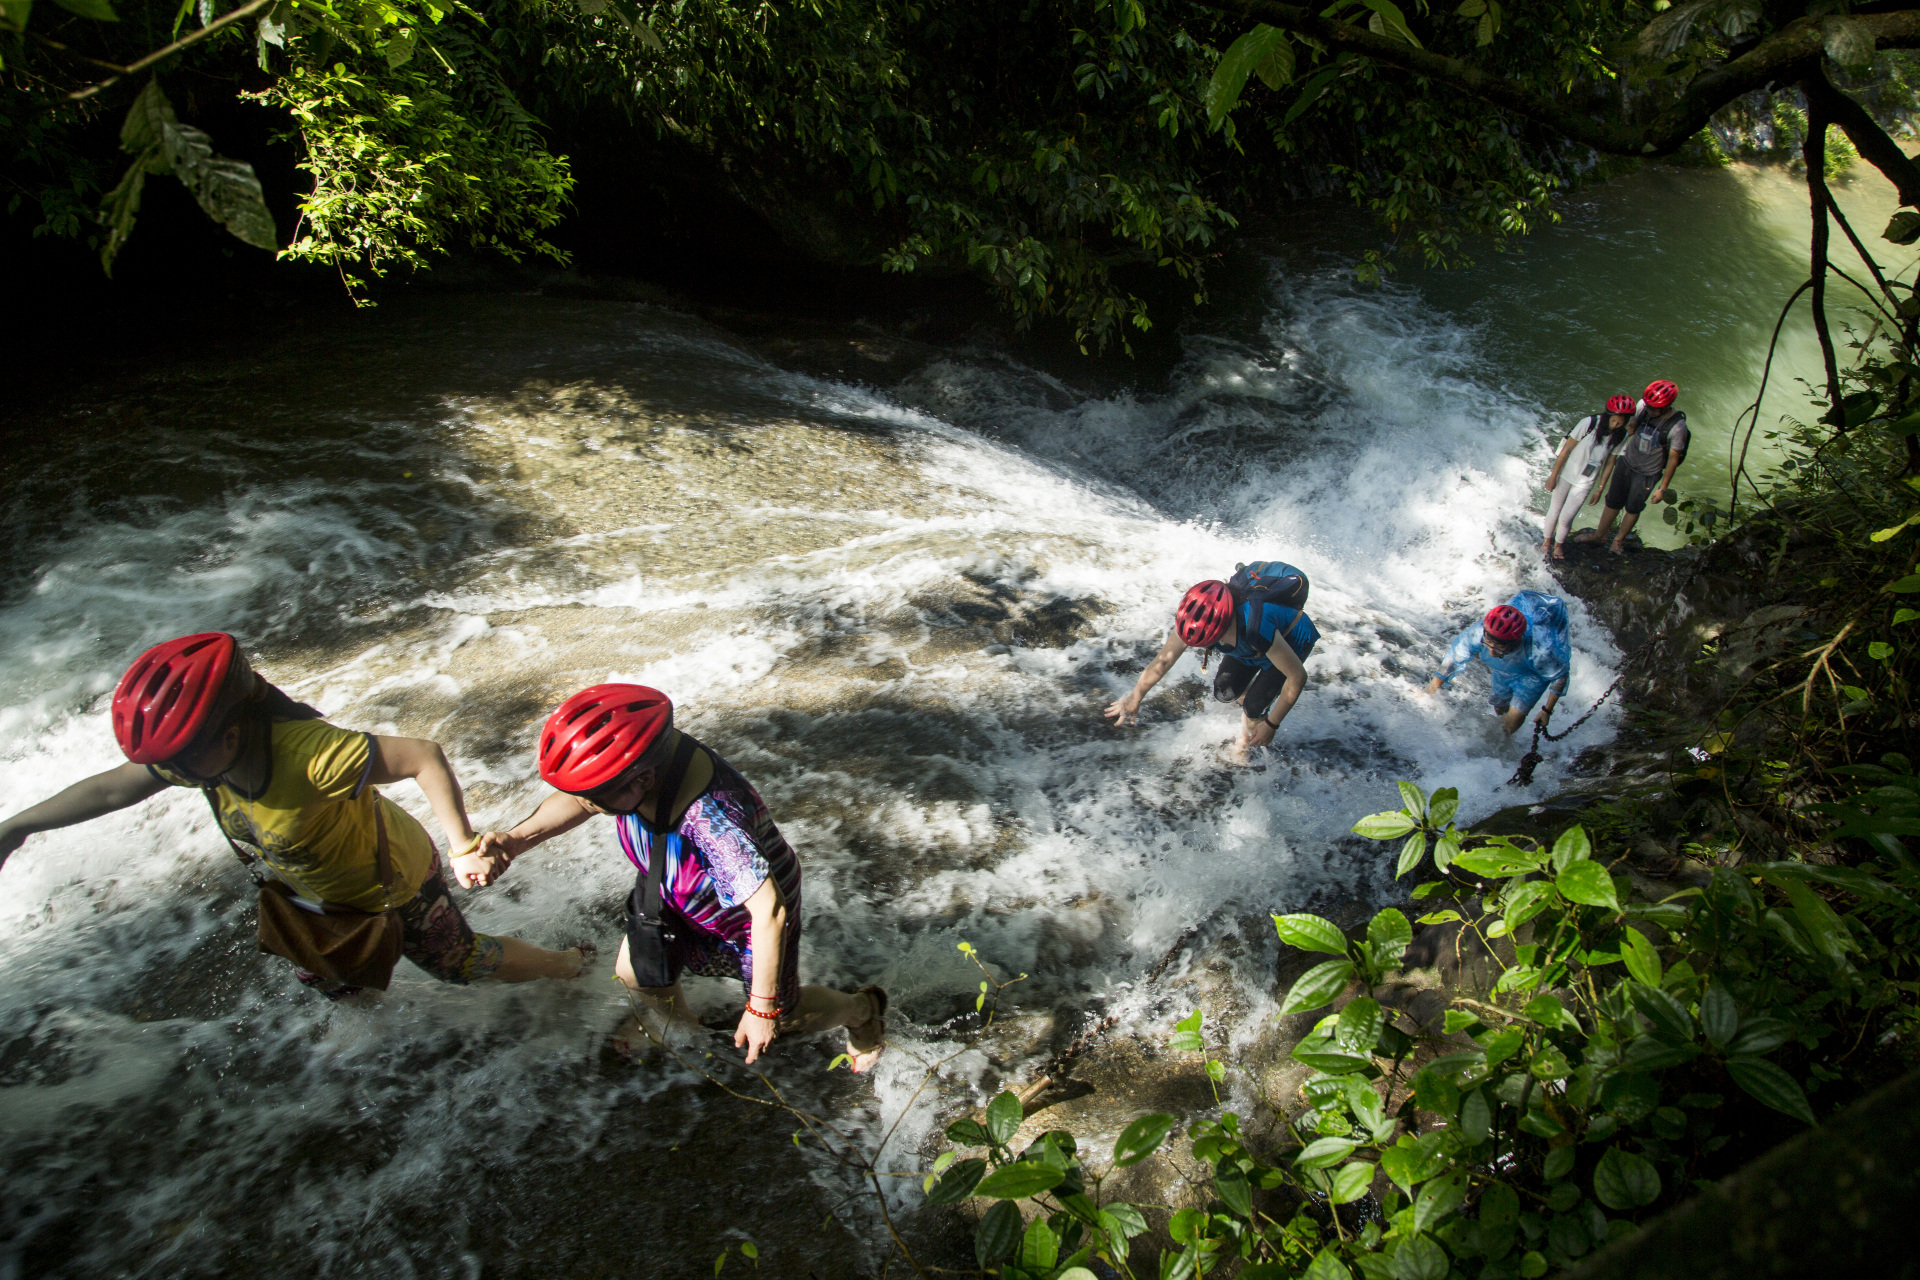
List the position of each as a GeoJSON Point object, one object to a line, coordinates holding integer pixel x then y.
{"type": "Point", "coordinates": [1585, 461]}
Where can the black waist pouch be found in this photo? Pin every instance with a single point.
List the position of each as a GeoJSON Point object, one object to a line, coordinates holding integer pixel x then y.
{"type": "Point", "coordinates": [652, 930]}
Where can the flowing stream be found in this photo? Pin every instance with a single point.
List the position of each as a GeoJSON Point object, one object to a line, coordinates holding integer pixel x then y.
{"type": "Point", "coordinates": [898, 611]}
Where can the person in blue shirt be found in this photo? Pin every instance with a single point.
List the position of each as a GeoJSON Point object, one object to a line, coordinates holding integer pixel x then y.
{"type": "Point", "coordinates": [1259, 624]}
{"type": "Point", "coordinates": [1524, 644]}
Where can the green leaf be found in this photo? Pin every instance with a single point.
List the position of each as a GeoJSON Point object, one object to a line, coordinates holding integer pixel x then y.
{"type": "Point", "coordinates": [1525, 900]}
{"type": "Point", "coordinates": [98, 10]}
{"type": "Point", "coordinates": [1359, 1026]}
{"type": "Point", "coordinates": [1318, 986]}
{"type": "Point", "coordinates": [1310, 94]}
{"type": "Point", "coordinates": [958, 1182]}
{"type": "Point", "coordinates": [1905, 586]}
{"type": "Point", "coordinates": [1413, 800]}
{"type": "Point", "coordinates": [1018, 1180]}
{"type": "Point", "coordinates": [998, 1233]}
{"type": "Point", "coordinates": [1443, 806]}
{"type": "Point", "coordinates": [1549, 1012]}
{"type": "Point", "coordinates": [968, 1133]}
{"type": "Point", "coordinates": [1264, 51]}
{"type": "Point", "coordinates": [1389, 933]}
{"type": "Point", "coordinates": [1559, 1163]}
{"type": "Point", "coordinates": [1823, 927]}
{"type": "Point", "coordinates": [1350, 1182]}
{"type": "Point", "coordinates": [1324, 1153]}
{"type": "Point", "coordinates": [1772, 1085]}
{"type": "Point", "coordinates": [1003, 1116]}
{"type": "Point", "coordinates": [1476, 1117]}
{"type": "Point", "coordinates": [1498, 861]}
{"type": "Point", "coordinates": [1389, 21]}
{"type": "Point", "coordinates": [1670, 1019]}
{"type": "Point", "coordinates": [1123, 1220]}
{"type": "Point", "coordinates": [1550, 1064]}
{"type": "Point", "coordinates": [1141, 1139]}
{"type": "Point", "coordinates": [1326, 1264]}
{"type": "Point", "coordinates": [1719, 1016]}
{"type": "Point", "coordinates": [1625, 1181]}
{"type": "Point", "coordinates": [1420, 1258]}
{"type": "Point", "coordinates": [1311, 933]}
{"type": "Point", "coordinates": [1439, 917]}
{"type": "Point", "coordinates": [1588, 883]}
{"type": "Point", "coordinates": [1437, 1093]}
{"type": "Point", "coordinates": [1849, 41]}
{"type": "Point", "coordinates": [1411, 1161]}
{"type": "Point", "coordinates": [1447, 850]}
{"type": "Point", "coordinates": [1390, 825]}
{"type": "Point", "coordinates": [1879, 651]}
{"type": "Point", "coordinates": [1642, 959]}
{"type": "Point", "coordinates": [1233, 1189]}
{"type": "Point", "coordinates": [1903, 228]}
{"type": "Point", "coordinates": [1905, 615]}
{"type": "Point", "coordinates": [1410, 854]}
{"type": "Point", "coordinates": [1572, 846]}
{"type": "Point", "coordinates": [1039, 1248]}
{"type": "Point", "coordinates": [1501, 1045]}
{"type": "Point", "coordinates": [228, 190]}
{"type": "Point", "coordinates": [1760, 1035]}
{"type": "Point", "coordinates": [1439, 1199]}
{"type": "Point", "coordinates": [1186, 1037]}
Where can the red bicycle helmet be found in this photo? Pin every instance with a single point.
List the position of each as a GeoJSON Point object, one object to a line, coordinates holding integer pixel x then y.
{"type": "Point", "coordinates": [1504, 622]}
{"type": "Point", "coordinates": [1661, 394]}
{"type": "Point", "coordinates": [174, 692]}
{"type": "Point", "coordinates": [600, 733]}
{"type": "Point", "coordinates": [1203, 613]}
{"type": "Point", "coordinates": [1622, 404]}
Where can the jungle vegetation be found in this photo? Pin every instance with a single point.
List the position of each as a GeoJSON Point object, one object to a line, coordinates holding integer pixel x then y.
{"type": "Point", "coordinates": [1055, 149]}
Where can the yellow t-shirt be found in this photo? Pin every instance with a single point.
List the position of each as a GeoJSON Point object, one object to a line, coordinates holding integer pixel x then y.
{"type": "Point", "coordinates": [314, 823]}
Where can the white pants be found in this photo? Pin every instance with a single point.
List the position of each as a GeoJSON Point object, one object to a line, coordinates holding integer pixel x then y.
{"type": "Point", "coordinates": [1567, 497]}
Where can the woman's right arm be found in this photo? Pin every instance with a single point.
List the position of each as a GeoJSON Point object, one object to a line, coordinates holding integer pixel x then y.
{"type": "Point", "coordinates": [558, 813]}
{"type": "Point", "coordinates": [103, 793]}
{"type": "Point", "coordinates": [1560, 460]}
{"type": "Point", "coordinates": [1124, 710]}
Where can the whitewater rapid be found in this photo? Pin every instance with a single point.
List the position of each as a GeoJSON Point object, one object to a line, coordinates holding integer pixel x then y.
{"type": "Point", "coordinates": [897, 610]}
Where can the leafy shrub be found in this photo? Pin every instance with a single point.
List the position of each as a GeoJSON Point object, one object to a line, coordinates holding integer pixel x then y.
{"type": "Point", "coordinates": [1623, 1048]}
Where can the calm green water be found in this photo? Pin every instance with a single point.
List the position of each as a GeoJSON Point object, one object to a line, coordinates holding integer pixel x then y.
{"type": "Point", "coordinates": [1669, 273]}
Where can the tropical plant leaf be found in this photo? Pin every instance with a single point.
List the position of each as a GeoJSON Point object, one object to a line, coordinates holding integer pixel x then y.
{"type": "Point", "coordinates": [228, 190]}
{"type": "Point", "coordinates": [1141, 1139]}
{"type": "Point", "coordinates": [1003, 1116]}
{"type": "Point", "coordinates": [1019, 1179]}
{"type": "Point", "coordinates": [1311, 933]}
{"type": "Point", "coordinates": [1420, 1258]}
{"type": "Point", "coordinates": [1411, 853]}
{"type": "Point", "coordinates": [1623, 1180]}
{"type": "Point", "coordinates": [957, 1183]}
{"type": "Point", "coordinates": [1442, 807]}
{"type": "Point", "coordinates": [1640, 956]}
{"type": "Point", "coordinates": [1265, 51]}
{"type": "Point", "coordinates": [1670, 1019]}
{"type": "Point", "coordinates": [1719, 1016]}
{"type": "Point", "coordinates": [1588, 883]}
{"type": "Point", "coordinates": [1390, 825]}
{"type": "Point", "coordinates": [998, 1233]}
{"type": "Point", "coordinates": [1324, 1153]}
{"type": "Point", "coordinates": [1318, 986]}
{"type": "Point", "coordinates": [1770, 1084]}
{"type": "Point", "coordinates": [1572, 846]}
{"type": "Point", "coordinates": [1359, 1026]}
{"type": "Point", "coordinates": [1388, 933]}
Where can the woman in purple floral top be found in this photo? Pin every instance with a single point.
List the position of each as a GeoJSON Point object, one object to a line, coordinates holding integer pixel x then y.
{"type": "Point", "coordinates": [731, 887]}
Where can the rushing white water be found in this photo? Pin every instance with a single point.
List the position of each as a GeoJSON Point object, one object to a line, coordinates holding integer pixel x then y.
{"type": "Point", "coordinates": [899, 613]}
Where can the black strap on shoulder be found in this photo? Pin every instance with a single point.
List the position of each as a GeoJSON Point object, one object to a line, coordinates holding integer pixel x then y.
{"type": "Point", "coordinates": [246, 859]}
{"type": "Point", "coordinates": [653, 900]}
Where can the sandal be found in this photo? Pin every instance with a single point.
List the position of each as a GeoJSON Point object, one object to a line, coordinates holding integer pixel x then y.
{"type": "Point", "coordinates": [873, 1030]}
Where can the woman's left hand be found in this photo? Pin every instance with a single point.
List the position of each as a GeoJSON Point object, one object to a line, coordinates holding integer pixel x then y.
{"type": "Point", "coordinates": [478, 869]}
{"type": "Point", "coordinates": [753, 1034]}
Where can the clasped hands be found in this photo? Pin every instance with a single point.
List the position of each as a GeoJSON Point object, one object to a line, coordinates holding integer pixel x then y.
{"type": "Point", "coordinates": [486, 859]}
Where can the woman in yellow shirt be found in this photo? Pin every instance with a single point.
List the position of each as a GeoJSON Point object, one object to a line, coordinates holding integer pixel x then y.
{"type": "Point", "coordinates": [299, 792]}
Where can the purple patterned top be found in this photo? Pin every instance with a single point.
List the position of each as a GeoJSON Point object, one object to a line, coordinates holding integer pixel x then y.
{"type": "Point", "coordinates": [728, 846]}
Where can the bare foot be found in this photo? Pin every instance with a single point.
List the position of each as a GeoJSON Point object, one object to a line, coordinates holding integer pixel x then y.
{"type": "Point", "coordinates": [632, 1041]}
{"type": "Point", "coordinates": [865, 1041]}
{"type": "Point", "coordinates": [1560, 551]}
{"type": "Point", "coordinates": [1619, 547]}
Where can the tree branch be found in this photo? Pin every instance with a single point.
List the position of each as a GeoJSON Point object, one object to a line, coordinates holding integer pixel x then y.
{"type": "Point", "coordinates": [194, 37]}
{"type": "Point", "coordinates": [1784, 56]}
{"type": "Point", "coordinates": [1868, 138]}
{"type": "Point", "coordinates": [1814, 151]}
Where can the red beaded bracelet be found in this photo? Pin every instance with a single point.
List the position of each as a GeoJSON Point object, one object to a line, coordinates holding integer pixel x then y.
{"type": "Point", "coordinates": [771, 1017]}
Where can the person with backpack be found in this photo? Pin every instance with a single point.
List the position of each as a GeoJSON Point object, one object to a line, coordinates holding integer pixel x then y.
{"type": "Point", "coordinates": [717, 887]}
{"type": "Point", "coordinates": [1257, 620]}
{"type": "Point", "coordinates": [1584, 463]}
{"type": "Point", "coordinates": [1524, 643]}
{"type": "Point", "coordinates": [354, 881]}
{"type": "Point", "coordinates": [1656, 445]}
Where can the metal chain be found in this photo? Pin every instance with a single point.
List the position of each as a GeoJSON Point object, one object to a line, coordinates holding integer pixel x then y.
{"type": "Point", "coordinates": [1523, 776]}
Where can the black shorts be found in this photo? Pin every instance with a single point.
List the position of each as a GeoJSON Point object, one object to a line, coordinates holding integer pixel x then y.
{"type": "Point", "coordinates": [1261, 685]}
{"type": "Point", "coordinates": [1629, 489]}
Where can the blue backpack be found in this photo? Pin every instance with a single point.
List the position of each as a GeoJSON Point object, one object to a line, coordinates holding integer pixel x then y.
{"type": "Point", "coordinates": [1267, 582]}
{"type": "Point", "coordinates": [1541, 610]}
